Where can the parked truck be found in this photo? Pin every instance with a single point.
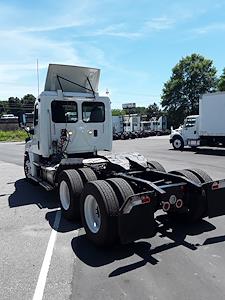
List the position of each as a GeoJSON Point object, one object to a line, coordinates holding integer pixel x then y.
{"type": "Point", "coordinates": [116, 196]}
{"type": "Point", "coordinates": [155, 126]}
{"type": "Point", "coordinates": [205, 129]}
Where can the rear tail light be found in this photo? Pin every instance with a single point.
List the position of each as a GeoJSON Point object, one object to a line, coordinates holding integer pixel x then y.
{"type": "Point", "coordinates": [145, 199]}
{"type": "Point", "coordinates": [134, 201]}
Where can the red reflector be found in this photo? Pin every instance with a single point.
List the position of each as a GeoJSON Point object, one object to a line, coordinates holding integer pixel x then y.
{"type": "Point", "coordinates": [215, 186]}
{"type": "Point", "coordinates": [145, 199]}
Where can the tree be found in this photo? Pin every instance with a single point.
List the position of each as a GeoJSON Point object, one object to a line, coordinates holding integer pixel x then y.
{"type": "Point", "coordinates": [192, 76]}
{"type": "Point", "coordinates": [117, 112]}
{"type": "Point", "coordinates": [4, 107]}
{"type": "Point", "coordinates": [153, 110]}
{"type": "Point", "coordinates": [1, 108]}
{"type": "Point", "coordinates": [221, 82]}
{"type": "Point", "coordinates": [14, 105]}
{"type": "Point", "coordinates": [28, 102]}
{"type": "Point", "coordinates": [140, 110]}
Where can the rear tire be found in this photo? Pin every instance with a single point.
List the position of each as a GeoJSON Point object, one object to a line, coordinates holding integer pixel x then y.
{"type": "Point", "coordinates": [188, 174]}
{"type": "Point", "coordinates": [155, 165]}
{"type": "Point", "coordinates": [99, 210]}
{"type": "Point", "coordinates": [202, 175]}
{"type": "Point", "coordinates": [122, 189]}
{"type": "Point", "coordinates": [70, 188]}
{"type": "Point", "coordinates": [87, 174]}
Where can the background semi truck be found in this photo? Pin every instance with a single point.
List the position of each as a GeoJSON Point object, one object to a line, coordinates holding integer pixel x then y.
{"type": "Point", "coordinates": [205, 129]}
{"type": "Point", "coordinates": [114, 196]}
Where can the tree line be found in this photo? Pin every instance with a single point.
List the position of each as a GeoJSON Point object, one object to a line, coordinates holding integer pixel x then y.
{"type": "Point", "coordinates": [153, 110]}
{"type": "Point", "coordinates": [16, 106]}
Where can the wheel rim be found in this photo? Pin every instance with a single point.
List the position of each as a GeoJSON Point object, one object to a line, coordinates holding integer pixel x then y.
{"type": "Point", "coordinates": [177, 144]}
{"type": "Point", "coordinates": [92, 214]}
{"type": "Point", "coordinates": [64, 195]}
{"type": "Point", "coordinates": [27, 168]}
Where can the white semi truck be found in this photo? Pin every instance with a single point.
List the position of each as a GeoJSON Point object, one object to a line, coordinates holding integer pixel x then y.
{"type": "Point", "coordinates": [205, 129]}
{"type": "Point", "coordinates": [116, 196]}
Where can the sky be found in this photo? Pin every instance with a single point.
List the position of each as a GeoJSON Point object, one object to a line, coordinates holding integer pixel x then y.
{"type": "Point", "coordinates": [134, 43]}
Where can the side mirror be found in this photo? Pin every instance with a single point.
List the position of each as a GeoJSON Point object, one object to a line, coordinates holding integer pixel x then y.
{"type": "Point", "coordinates": [22, 120]}
{"type": "Point", "coordinates": [31, 131]}
{"type": "Point", "coordinates": [27, 139]}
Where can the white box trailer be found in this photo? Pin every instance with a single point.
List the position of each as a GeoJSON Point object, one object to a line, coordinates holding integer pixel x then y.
{"type": "Point", "coordinates": [212, 115]}
{"type": "Point", "coordinates": [205, 129]}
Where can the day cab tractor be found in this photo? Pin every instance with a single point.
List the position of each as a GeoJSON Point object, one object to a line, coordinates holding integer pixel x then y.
{"type": "Point", "coordinates": [114, 196]}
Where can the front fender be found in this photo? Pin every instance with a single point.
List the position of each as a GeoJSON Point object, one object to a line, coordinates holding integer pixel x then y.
{"type": "Point", "coordinates": [173, 134]}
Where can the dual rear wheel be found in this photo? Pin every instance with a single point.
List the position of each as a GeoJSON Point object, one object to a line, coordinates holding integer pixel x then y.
{"type": "Point", "coordinates": [71, 184]}
{"type": "Point", "coordinates": [97, 204]}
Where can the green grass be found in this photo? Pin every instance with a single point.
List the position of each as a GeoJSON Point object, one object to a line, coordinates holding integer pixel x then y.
{"type": "Point", "coordinates": [12, 136]}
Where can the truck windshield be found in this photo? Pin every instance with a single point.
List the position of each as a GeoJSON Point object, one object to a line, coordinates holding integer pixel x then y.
{"type": "Point", "coordinates": [93, 112]}
{"type": "Point", "coordinates": [64, 111]}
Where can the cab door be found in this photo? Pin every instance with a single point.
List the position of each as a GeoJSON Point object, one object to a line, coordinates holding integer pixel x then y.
{"type": "Point", "coordinates": [91, 130]}
{"type": "Point", "coordinates": [89, 124]}
{"type": "Point", "coordinates": [35, 144]}
{"type": "Point", "coordinates": [190, 128]}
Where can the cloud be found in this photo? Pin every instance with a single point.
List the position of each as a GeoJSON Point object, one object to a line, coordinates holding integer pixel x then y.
{"type": "Point", "coordinates": [18, 55]}
{"type": "Point", "coordinates": [24, 48]}
{"type": "Point", "coordinates": [122, 29]}
{"type": "Point", "coordinates": [8, 90]}
{"type": "Point", "coordinates": [214, 27]}
{"type": "Point", "coordinates": [22, 18]}
{"type": "Point", "coordinates": [158, 24]}
{"type": "Point", "coordinates": [116, 30]}
{"type": "Point", "coordinates": [46, 27]}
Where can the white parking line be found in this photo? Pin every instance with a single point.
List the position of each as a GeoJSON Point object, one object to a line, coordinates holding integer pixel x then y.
{"type": "Point", "coordinates": [39, 291]}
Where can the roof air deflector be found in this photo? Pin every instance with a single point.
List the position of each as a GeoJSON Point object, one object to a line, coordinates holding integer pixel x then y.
{"type": "Point", "coordinates": [76, 79]}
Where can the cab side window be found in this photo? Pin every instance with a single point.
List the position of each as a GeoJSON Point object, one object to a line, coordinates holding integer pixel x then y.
{"type": "Point", "coordinates": [190, 122]}
{"type": "Point", "coordinates": [36, 115]}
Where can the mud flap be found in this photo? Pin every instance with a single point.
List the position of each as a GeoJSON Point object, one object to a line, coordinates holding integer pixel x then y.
{"type": "Point", "coordinates": [215, 193]}
{"type": "Point", "coordinates": [138, 223]}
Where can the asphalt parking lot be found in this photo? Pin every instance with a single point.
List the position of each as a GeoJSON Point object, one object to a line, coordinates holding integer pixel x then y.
{"type": "Point", "coordinates": [42, 256]}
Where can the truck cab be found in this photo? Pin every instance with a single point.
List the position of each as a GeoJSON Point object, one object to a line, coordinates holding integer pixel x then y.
{"type": "Point", "coordinates": [187, 134]}
{"type": "Point", "coordinates": [69, 117]}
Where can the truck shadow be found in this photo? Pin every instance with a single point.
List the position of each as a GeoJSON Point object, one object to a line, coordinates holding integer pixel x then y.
{"type": "Point", "coordinates": [64, 225]}
{"type": "Point", "coordinates": [30, 194]}
{"type": "Point", "coordinates": [26, 194]}
{"type": "Point", "coordinates": [204, 151]}
{"type": "Point", "coordinates": [97, 257]}
{"type": "Point", "coordinates": [216, 152]}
